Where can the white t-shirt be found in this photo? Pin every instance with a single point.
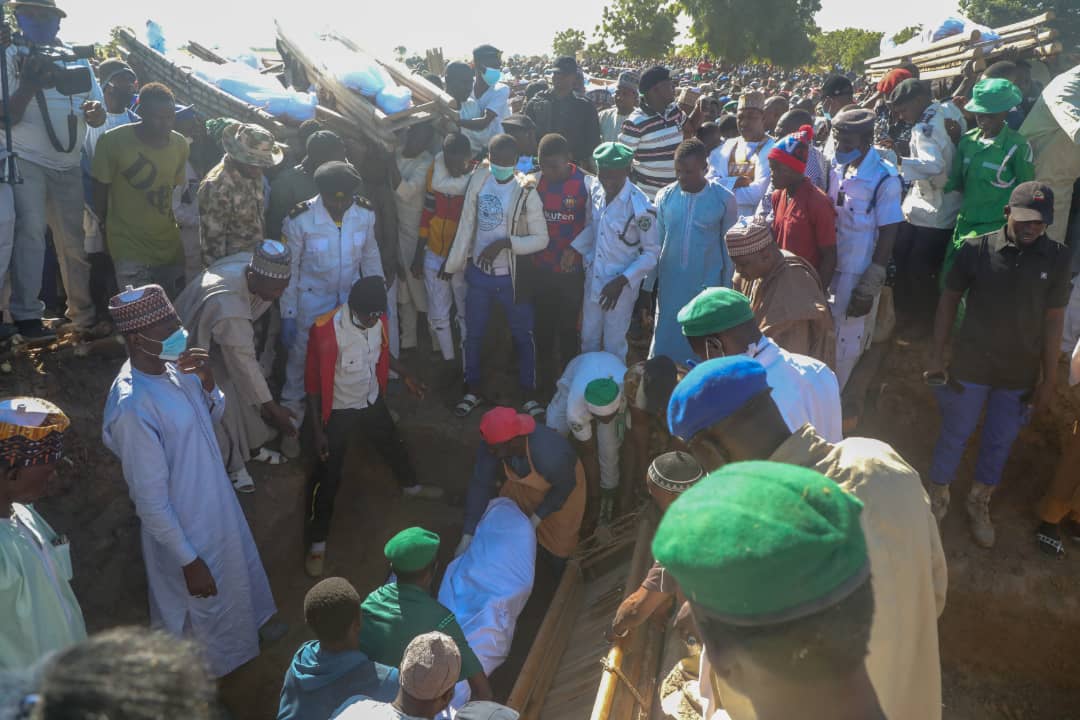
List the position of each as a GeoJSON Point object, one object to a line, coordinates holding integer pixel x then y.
{"type": "Point", "coordinates": [355, 383]}
{"type": "Point", "coordinates": [493, 206]}
{"type": "Point", "coordinates": [29, 137]}
{"type": "Point", "coordinates": [372, 710]}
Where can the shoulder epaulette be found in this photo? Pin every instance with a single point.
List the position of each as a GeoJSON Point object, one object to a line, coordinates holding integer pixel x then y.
{"type": "Point", "coordinates": [300, 208]}
{"type": "Point", "coordinates": [363, 202]}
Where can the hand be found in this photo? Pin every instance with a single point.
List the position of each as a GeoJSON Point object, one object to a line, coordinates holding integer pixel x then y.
{"type": "Point", "coordinates": [466, 539]}
{"type": "Point", "coordinates": [417, 268]}
{"type": "Point", "coordinates": [200, 582]}
{"type": "Point", "coordinates": [416, 388]}
{"type": "Point", "coordinates": [196, 361]}
{"type": "Point", "coordinates": [613, 636]}
{"type": "Point", "coordinates": [94, 113]}
{"type": "Point", "coordinates": [741, 182]}
{"type": "Point", "coordinates": [35, 72]}
{"type": "Point", "coordinates": [609, 296]}
{"type": "Point", "coordinates": [952, 127]}
{"type": "Point", "coordinates": [486, 261]}
{"type": "Point", "coordinates": [288, 332]}
{"type": "Point", "coordinates": [569, 259]}
{"type": "Point", "coordinates": [402, 274]}
{"type": "Point", "coordinates": [280, 417]}
{"type": "Point", "coordinates": [684, 623]}
{"type": "Point", "coordinates": [443, 275]}
{"type": "Point", "coordinates": [859, 304]}
{"type": "Point", "coordinates": [969, 70]}
{"type": "Point", "coordinates": [322, 445]}
{"type": "Point", "coordinates": [1041, 399]}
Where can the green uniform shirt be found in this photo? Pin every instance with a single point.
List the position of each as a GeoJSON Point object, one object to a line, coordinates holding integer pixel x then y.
{"type": "Point", "coordinates": [395, 614]}
{"type": "Point", "coordinates": [140, 225]}
{"type": "Point", "coordinates": [987, 174]}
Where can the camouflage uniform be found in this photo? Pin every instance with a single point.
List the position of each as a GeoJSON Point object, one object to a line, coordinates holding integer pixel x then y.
{"type": "Point", "coordinates": [231, 213]}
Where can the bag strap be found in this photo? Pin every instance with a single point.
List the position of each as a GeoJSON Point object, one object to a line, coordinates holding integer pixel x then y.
{"type": "Point", "coordinates": [73, 124]}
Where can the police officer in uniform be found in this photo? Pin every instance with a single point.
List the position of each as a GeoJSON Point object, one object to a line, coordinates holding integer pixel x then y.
{"type": "Point", "coordinates": [929, 212]}
{"type": "Point", "coordinates": [622, 247]}
{"type": "Point", "coordinates": [332, 238]}
{"type": "Point", "coordinates": [866, 192]}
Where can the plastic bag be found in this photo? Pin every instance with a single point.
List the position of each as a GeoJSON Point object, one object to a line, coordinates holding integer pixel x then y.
{"type": "Point", "coordinates": [155, 36]}
{"type": "Point", "coordinates": [247, 84]}
{"type": "Point", "coordinates": [393, 99]}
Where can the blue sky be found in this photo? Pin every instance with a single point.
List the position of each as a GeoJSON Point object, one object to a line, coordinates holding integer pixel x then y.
{"type": "Point", "coordinates": [419, 24]}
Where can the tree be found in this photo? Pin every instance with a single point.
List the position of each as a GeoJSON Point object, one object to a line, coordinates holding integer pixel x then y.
{"type": "Point", "coordinates": [996, 13]}
{"type": "Point", "coordinates": [644, 28]}
{"type": "Point", "coordinates": [848, 48]}
{"type": "Point", "coordinates": [568, 42]}
{"type": "Point", "coordinates": [906, 34]}
{"type": "Point", "coordinates": [400, 51]}
{"type": "Point", "coordinates": [597, 50]}
{"type": "Point", "coordinates": [739, 30]}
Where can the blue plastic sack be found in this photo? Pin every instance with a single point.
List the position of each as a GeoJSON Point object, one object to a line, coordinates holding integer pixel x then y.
{"type": "Point", "coordinates": [394, 99]}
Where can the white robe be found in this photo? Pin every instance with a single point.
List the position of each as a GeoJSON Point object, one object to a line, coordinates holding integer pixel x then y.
{"type": "Point", "coordinates": [162, 429]}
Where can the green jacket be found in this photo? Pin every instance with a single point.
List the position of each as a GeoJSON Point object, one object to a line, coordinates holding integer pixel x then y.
{"type": "Point", "coordinates": [987, 175]}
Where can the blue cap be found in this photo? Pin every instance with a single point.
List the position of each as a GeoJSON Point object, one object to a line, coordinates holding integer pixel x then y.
{"type": "Point", "coordinates": [712, 391]}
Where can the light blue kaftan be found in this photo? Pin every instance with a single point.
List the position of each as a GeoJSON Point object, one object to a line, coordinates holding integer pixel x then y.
{"type": "Point", "coordinates": [693, 256]}
{"type": "Point", "coordinates": [162, 429]}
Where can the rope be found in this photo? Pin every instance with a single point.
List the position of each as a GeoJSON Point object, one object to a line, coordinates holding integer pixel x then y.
{"type": "Point", "coordinates": [609, 667]}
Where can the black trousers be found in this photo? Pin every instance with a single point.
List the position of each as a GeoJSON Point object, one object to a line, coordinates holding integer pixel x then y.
{"type": "Point", "coordinates": [918, 253]}
{"type": "Point", "coordinates": [557, 301]}
{"type": "Point", "coordinates": [372, 424]}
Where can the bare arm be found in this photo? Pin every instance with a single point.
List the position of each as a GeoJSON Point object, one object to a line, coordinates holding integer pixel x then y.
{"type": "Point", "coordinates": [827, 266]}
{"type": "Point", "coordinates": [480, 687]}
{"type": "Point", "coordinates": [636, 609]}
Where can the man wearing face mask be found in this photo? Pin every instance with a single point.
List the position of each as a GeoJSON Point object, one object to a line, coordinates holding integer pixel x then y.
{"type": "Point", "coordinates": [40, 610]}
{"type": "Point", "coordinates": [492, 97]}
{"type": "Point", "coordinates": [719, 322]}
{"type": "Point", "coordinates": [539, 470]}
{"type": "Point", "coordinates": [332, 238]}
{"type": "Point", "coordinates": [220, 306]}
{"type": "Point", "coordinates": [48, 131]}
{"type": "Point", "coordinates": [865, 191]}
{"type": "Point", "coordinates": [348, 365]}
{"type": "Point", "coordinates": [206, 580]}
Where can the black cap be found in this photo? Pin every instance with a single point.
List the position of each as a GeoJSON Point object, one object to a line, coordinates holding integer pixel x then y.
{"type": "Point", "coordinates": [909, 90]}
{"type": "Point", "coordinates": [1032, 202]}
{"type": "Point", "coordinates": [856, 120]}
{"type": "Point", "coordinates": [368, 295]}
{"type": "Point", "coordinates": [323, 146]}
{"type": "Point", "coordinates": [653, 77]}
{"type": "Point", "coordinates": [338, 178]}
{"type": "Point", "coordinates": [565, 64]}
{"type": "Point", "coordinates": [486, 52]}
{"type": "Point", "coordinates": [519, 121]}
{"type": "Point", "coordinates": [108, 69]}
{"type": "Point", "coordinates": [837, 86]}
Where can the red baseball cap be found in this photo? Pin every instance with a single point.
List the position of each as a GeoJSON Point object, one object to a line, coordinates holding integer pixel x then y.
{"type": "Point", "coordinates": [503, 424]}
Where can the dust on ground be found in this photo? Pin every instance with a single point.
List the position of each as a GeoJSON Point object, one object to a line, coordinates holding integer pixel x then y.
{"type": "Point", "coordinates": [1010, 633]}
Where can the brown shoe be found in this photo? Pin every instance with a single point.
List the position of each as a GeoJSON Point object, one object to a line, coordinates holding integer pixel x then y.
{"type": "Point", "coordinates": [978, 508]}
{"type": "Point", "coordinates": [939, 501]}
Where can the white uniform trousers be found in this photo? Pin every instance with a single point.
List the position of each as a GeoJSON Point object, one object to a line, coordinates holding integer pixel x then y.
{"type": "Point", "coordinates": [853, 335]}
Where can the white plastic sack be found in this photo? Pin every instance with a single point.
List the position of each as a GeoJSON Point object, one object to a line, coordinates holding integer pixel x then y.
{"type": "Point", "coordinates": [393, 99]}
{"type": "Point", "coordinates": [487, 587]}
{"type": "Point", "coordinates": [248, 84]}
{"type": "Point", "coordinates": [932, 32]}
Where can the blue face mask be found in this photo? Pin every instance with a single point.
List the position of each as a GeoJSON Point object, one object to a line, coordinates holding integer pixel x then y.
{"type": "Point", "coordinates": [848, 157]}
{"type": "Point", "coordinates": [492, 76]}
{"type": "Point", "coordinates": [502, 173]}
{"type": "Point", "coordinates": [39, 30]}
{"type": "Point", "coordinates": [172, 346]}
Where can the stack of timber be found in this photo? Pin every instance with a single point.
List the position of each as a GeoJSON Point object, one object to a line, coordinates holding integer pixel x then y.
{"type": "Point", "coordinates": [1033, 38]}
{"type": "Point", "coordinates": [209, 100]}
{"type": "Point", "coordinates": [571, 672]}
{"type": "Point", "coordinates": [344, 109]}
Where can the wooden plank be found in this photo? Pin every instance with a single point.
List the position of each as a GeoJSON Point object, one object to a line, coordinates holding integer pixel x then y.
{"type": "Point", "coordinates": [897, 58]}
{"type": "Point", "coordinates": [204, 53]}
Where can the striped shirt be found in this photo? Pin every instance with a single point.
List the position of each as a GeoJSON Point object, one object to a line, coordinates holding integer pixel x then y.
{"type": "Point", "coordinates": [653, 137]}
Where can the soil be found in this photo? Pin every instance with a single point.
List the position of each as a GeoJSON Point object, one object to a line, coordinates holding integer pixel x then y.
{"type": "Point", "coordinates": [1010, 634]}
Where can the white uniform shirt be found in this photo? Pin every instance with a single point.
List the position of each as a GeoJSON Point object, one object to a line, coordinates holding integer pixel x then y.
{"type": "Point", "coordinates": [749, 196]}
{"type": "Point", "coordinates": [327, 259]}
{"type": "Point", "coordinates": [804, 389]}
{"type": "Point", "coordinates": [932, 152]}
{"type": "Point", "coordinates": [581, 371]}
{"type": "Point", "coordinates": [355, 383]}
{"type": "Point", "coordinates": [858, 213]}
{"type": "Point", "coordinates": [623, 238]}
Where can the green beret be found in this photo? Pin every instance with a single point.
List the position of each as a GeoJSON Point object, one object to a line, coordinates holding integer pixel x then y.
{"type": "Point", "coordinates": [993, 95]}
{"type": "Point", "coordinates": [602, 395]}
{"type": "Point", "coordinates": [760, 543]}
{"type": "Point", "coordinates": [612, 156]}
{"type": "Point", "coordinates": [412, 549]}
{"type": "Point", "coordinates": [714, 310]}
{"type": "Point", "coordinates": [731, 106]}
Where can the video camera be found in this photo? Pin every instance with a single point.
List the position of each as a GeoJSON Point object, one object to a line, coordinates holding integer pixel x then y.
{"type": "Point", "coordinates": [66, 80]}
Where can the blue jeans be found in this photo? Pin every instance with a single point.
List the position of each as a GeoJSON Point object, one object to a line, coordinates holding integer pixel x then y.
{"type": "Point", "coordinates": [484, 290]}
{"type": "Point", "coordinates": [1006, 413]}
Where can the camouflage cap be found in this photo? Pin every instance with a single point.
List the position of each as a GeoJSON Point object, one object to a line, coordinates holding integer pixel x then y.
{"type": "Point", "coordinates": [251, 145]}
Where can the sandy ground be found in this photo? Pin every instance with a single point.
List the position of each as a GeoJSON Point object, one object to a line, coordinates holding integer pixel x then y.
{"type": "Point", "coordinates": [1010, 633]}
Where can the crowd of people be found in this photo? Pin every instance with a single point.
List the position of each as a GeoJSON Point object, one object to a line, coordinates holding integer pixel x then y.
{"type": "Point", "coordinates": [746, 231]}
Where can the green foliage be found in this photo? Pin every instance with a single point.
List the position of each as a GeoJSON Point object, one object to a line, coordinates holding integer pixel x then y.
{"type": "Point", "coordinates": [996, 13]}
{"type": "Point", "coordinates": [644, 28]}
{"type": "Point", "coordinates": [597, 50]}
{"type": "Point", "coordinates": [568, 42]}
{"type": "Point", "coordinates": [400, 52]}
{"type": "Point", "coordinates": [907, 33]}
{"type": "Point", "coordinates": [848, 48]}
{"type": "Point", "coordinates": [777, 31]}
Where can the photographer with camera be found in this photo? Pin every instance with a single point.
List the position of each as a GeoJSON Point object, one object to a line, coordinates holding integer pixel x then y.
{"type": "Point", "coordinates": [54, 96]}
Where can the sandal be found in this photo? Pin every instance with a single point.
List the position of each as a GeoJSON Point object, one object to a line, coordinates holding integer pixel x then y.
{"type": "Point", "coordinates": [1049, 542]}
{"type": "Point", "coordinates": [270, 457]}
{"type": "Point", "coordinates": [467, 405]}
{"type": "Point", "coordinates": [534, 409]}
{"type": "Point", "coordinates": [242, 482]}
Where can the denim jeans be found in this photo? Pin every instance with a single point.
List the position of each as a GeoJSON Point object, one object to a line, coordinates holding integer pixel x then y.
{"type": "Point", "coordinates": [484, 291]}
{"type": "Point", "coordinates": [1006, 413]}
